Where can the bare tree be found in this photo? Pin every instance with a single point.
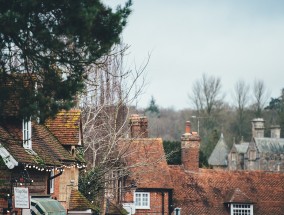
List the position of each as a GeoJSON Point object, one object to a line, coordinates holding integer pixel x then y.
{"type": "Point", "coordinates": [260, 95]}
{"type": "Point", "coordinates": [106, 106]}
{"type": "Point", "coordinates": [241, 99]}
{"type": "Point", "coordinates": [206, 94]}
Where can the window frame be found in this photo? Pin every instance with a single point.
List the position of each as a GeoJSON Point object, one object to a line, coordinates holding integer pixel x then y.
{"type": "Point", "coordinates": [27, 133]}
{"type": "Point", "coordinates": [241, 209]}
{"type": "Point", "coordinates": [51, 182]}
{"type": "Point", "coordinates": [140, 206]}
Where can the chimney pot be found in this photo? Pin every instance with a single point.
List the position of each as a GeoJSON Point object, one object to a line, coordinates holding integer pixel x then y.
{"type": "Point", "coordinates": [187, 127]}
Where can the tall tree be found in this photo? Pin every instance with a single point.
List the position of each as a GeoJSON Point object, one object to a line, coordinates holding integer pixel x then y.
{"type": "Point", "coordinates": [206, 94]}
{"type": "Point", "coordinates": [260, 95]}
{"type": "Point", "coordinates": [241, 99]}
{"type": "Point", "coordinates": [105, 104]}
{"type": "Point", "coordinates": [152, 109]}
{"type": "Point", "coordinates": [276, 105]}
{"type": "Point", "coordinates": [208, 99]}
{"type": "Point", "coordinates": [52, 42]}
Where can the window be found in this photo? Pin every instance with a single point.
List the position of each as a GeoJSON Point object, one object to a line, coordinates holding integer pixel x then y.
{"type": "Point", "coordinates": [241, 209]}
{"type": "Point", "coordinates": [27, 134]}
{"type": "Point", "coordinates": [234, 156]}
{"type": "Point", "coordinates": [252, 155]}
{"type": "Point", "coordinates": [142, 200]}
{"type": "Point", "coordinates": [51, 182]}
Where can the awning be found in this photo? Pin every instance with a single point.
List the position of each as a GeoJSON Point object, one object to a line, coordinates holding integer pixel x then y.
{"type": "Point", "coordinates": [46, 206]}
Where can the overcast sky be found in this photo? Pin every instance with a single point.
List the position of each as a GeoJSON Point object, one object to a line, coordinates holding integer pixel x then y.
{"type": "Point", "coordinates": [240, 39]}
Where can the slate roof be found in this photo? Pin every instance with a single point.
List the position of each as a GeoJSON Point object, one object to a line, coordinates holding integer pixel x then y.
{"type": "Point", "coordinates": [147, 163]}
{"type": "Point", "coordinates": [242, 147]}
{"type": "Point", "coordinates": [66, 127]}
{"type": "Point", "coordinates": [206, 192]}
{"type": "Point", "coordinates": [219, 155]}
{"type": "Point", "coordinates": [270, 145]}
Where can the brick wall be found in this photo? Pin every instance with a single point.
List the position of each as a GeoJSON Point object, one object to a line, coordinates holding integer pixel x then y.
{"type": "Point", "coordinates": [156, 208]}
{"type": "Point", "coordinates": [190, 152]}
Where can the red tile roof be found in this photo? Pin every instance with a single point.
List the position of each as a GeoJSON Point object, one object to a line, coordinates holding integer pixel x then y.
{"type": "Point", "coordinates": [66, 127]}
{"type": "Point", "coordinates": [147, 163]}
{"type": "Point", "coordinates": [46, 149]}
{"type": "Point", "coordinates": [207, 191]}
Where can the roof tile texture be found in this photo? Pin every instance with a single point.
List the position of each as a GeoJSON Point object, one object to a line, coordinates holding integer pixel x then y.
{"type": "Point", "coordinates": [78, 201]}
{"type": "Point", "coordinates": [49, 151]}
{"type": "Point", "coordinates": [66, 127]}
{"type": "Point", "coordinates": [206, 192]}
{"type": "Point", "coordinates": [148, 164]}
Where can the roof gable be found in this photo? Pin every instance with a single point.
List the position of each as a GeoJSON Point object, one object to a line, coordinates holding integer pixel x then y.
{"type": "Point", "coordinates": [147, 163]}
{"type": "Point", "coordinates": [237, 196]}
{"type": "Point", "coordinates": [242, 147]}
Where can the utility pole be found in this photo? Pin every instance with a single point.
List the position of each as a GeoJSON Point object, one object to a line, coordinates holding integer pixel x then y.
{"type": "Point", "coordinates": [198, 117]}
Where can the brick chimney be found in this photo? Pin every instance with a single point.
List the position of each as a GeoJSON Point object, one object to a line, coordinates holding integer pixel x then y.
{"type": "Point", "coordinates": [190, 143]}
{"type": "Point", "coordinates": [138, 126]}
{"type": "Point", "coordinates": [275, 131]}
{"type": "Point", "coordinates": [258, 127]}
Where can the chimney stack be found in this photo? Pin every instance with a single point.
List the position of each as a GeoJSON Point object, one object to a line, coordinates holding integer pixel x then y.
{"type": "Point", "coordinates": [190, 143]}
{"type": "Point", "coordinates": [138, 126]}
{"type": "Point", "coordinates": [258, 128]}
{"type": "Point", "coordinates": [275, 131]}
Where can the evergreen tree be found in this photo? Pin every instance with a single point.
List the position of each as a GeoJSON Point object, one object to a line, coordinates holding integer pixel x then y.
{"type": "Point", "coordinates": [46, 46]}
{"type": "Point", "coordinates": [173, 152]}
{"type": "Point", "coordinates": [153, 109]}
{"type": "Point", "coordinates": [276, 105]}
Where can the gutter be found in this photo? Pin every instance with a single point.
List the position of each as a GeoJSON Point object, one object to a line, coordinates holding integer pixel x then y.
{"type": "Point", "coordinates": [55, 176]}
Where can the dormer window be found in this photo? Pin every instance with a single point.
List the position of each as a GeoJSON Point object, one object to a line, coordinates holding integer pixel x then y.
{"type": "Point", "coordinates": [241, 209]}
{"type": "Point", "coordinates": [27, 133]}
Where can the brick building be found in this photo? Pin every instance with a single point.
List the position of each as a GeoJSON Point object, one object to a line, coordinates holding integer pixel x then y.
{"type": "Point", "coordinates": [44, 159]}
{"type": "Point", "coordinates": [187, 189]}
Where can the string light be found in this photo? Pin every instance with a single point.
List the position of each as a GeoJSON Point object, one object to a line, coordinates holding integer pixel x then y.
{"type": "Point", "coordinates": [50, 168]}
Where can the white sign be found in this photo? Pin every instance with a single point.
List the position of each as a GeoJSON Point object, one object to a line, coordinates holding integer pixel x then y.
{"type": "Point", "coordinates": [22, 198]}
{"type": "Point", "coordinates": [129, 207]}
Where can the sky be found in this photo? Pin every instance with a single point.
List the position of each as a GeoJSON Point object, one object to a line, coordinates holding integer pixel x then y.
{"type": "Point", "coordinates": [230, 39]}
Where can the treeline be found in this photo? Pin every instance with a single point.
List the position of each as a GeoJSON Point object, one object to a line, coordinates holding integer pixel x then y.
{"type": "Point", "coordinates": [211, 115]}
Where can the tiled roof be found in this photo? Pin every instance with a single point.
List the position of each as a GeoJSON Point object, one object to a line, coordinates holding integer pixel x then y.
{"type": "Point", "coordinates": [78, 202]}
{"type": "Point", "coordinates": [46, 149]}
{"type": "Point", "coordinates": [147, 163]}
{"type": "Point", "coordinates": [238, 196]}
{"type": "Point", "coordinates": [66, 127]}
{"type": "Point", "coordinates": [206, 191]}
{"type": "Point", "coordinates": [218, 156]}
{"type": "Point", "coordinates": [270, 145]}
{"type": "Point", "coordinates": [242, 147]}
